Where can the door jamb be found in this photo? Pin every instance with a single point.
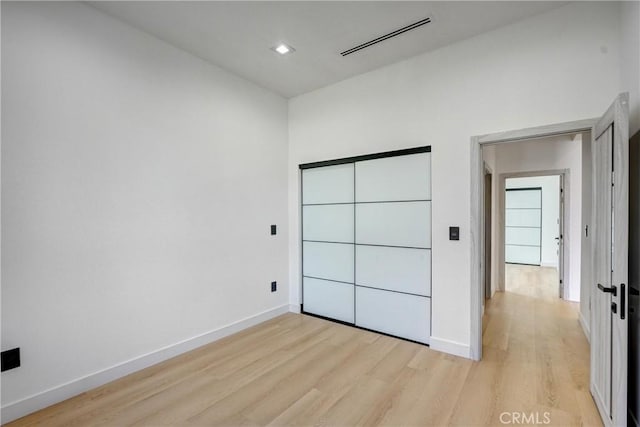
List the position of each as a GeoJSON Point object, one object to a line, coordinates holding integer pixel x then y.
{"type": "Point", "coordinates": [488, 171]}
{"type": "Point", "coordinates": [477, 212]}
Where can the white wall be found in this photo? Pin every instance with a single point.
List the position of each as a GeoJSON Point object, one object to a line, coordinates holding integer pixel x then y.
{"type": "Point", "coordinates": [138, 186]}
{"type": "Point", "coordinates": [555, 67]}
{"type": "Point", "coordinates": [550, 213]}
{"type": "Point", "coordinates": [630, 54]}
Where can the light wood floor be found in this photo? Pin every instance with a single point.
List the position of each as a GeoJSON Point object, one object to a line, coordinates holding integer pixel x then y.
{"type": "Point", "coordinates": [299, 370]}
{"type": "Point", "coordinates": [538, 282]}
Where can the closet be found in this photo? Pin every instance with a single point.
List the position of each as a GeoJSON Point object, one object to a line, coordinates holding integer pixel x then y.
{"type": "Point", "coordinates": [366, 242]}
{"type": "Point", "coordinates": [523, 226]}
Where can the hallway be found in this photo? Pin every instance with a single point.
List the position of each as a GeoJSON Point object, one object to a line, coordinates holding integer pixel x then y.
{"type": "Point", "coordinates": [535, 352]}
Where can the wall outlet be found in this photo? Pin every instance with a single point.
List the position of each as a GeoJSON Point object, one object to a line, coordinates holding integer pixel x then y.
{"type": "Point", "coordinates": [10, 359]}
{"type": "Point", "coordinates": [274, 286]}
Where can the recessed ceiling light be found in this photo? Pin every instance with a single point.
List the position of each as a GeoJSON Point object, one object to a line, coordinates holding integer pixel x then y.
{"type": "Point", "coordinates": [283, 49]}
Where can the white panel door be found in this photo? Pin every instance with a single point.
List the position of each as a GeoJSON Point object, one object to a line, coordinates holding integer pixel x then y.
{"type": "Point", "coordinates": [394, 313]}
{"type": "Point", "coordinates": [523, 199]}
{"type": "Point", "coordinates": [601, 303]}
{"type": "Point", "coordinates": [332, 261]}
{"type": "Point", "coordinates": [329, 184]}
{"type": "Point", "coordinates": [329, 299]}
{"type": "Point", "coordinates": [523, 226]}
{"type": "Point", "coordinates": [404, 224]}
{"type": "Point", "coordinates": [398, 269]}
{"type": "Point", "coordinates": [369, 222]}
{"type": "Point", "coordinates": [328, 223]}
{"type": "Point", "coordinates": [523, 217]}
{"type": "Point", "coordinates": [522, 235]}
{"type": "Point", "coordinates": [518, 254]}
{"type": "Point", "coordinates": [327, 247]}
{"type": "Point", "coordinates": [394, 178]}
{"type": "Point", "coordinates": [610, 294]}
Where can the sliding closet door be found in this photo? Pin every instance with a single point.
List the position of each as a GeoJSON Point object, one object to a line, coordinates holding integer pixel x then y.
{"type": "Point", "coordinates": [328, 241]}
{"type": "Point", "coordinates": [393, 245]}
{"type": "Point", "coordinates": [523, 225]}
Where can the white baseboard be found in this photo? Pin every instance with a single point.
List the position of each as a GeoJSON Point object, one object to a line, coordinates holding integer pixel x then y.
{"type": "Point", "coordinates": [451, 347]}
{"type": "Point", "coordinates": [20, 408]}
{"type": "Point", "coordinates": [294, 308]}
{"type": "Point", "coordinates": [585, 326]}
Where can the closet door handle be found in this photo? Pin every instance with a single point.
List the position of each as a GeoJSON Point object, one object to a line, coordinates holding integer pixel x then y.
{"type": "Point", "coordinates": [612, 290]}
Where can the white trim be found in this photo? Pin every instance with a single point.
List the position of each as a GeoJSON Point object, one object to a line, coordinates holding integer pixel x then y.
{"type": "Point", "coordinates": [294, 308]}
{"type": "Point", "coordinates": [28, 405]}
{"type": "Point", "coordinates": [451, 347]}
{"type": "Point", "coordinates": [585, 326]}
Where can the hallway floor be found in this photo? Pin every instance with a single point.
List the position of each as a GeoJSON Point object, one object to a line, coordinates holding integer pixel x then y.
{"type": "Point", "coordinates": [538, 345]}
{"type": "Point", "coordinates": [533, 281]}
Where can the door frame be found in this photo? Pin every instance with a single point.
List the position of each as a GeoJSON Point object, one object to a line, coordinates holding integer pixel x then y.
{"type": "Point", "coordinates": [563, 174]}
{"type": "Point", "coordinates": [488, 207]}
{"type": "Point", "coordinates": [477, 211]}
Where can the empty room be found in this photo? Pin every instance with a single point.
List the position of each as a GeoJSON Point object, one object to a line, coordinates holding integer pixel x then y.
{"type": "Point", "coordinates": [337, 213]}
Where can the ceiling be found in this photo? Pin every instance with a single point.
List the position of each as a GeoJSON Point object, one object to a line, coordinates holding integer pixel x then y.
{"type": "Point", "coordinates": [238, 35]}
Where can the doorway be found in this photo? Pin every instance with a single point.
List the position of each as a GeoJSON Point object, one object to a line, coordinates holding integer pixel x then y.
{"type": "Point", "coordinates": [533, 236]}
{"type": "Point", "coordinates": [606, 283]}
{"type": "Point", "coordinates": [479, 146]}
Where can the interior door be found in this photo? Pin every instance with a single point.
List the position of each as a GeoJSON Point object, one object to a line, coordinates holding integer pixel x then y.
{"type": "Point", "coordinates": [327, 242]}
{"type": "Point", "coordinates": [610, 155]}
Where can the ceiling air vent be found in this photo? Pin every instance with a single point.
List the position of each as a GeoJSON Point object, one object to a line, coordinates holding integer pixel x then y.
{"type": "Point", "coordinates": [386, 36]}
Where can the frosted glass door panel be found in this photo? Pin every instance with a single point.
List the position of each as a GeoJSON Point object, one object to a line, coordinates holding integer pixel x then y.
{"type": "Point", "coordinates": [328, 299]}
{"type": "Point", "coordinates": [397, 269]}
{"type": "Point", "coordinates": [522, 254]}
{"type": "Point", "coordinates": [522, 217]}
{"type": "Point", "coordinates": [523, 212]}
{"type": "Point", "coordinates": [329, 184]}
{"type": "Point", "coordinates": [333, 261]}
{"type": "Point", "coordinates": [523, 199]}
{"type": "Point", "coordinates": [384, 204]}
{"type": "Point", "coordinates": [394, 178]}
{"type": "Point", "coordinates": [402, 315]}
{"type": "Point", "coordinates": [529, 236]}
{"type": "Point", "coordinates": [405, 224]}
{"type": "Point", "coordinates": [328, 223]}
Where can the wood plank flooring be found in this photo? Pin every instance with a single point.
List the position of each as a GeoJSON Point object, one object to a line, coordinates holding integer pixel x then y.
{"type": "Point", "coordinates": [298, 370]}
{"type": "Point", "coordinates": [529, 280]}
